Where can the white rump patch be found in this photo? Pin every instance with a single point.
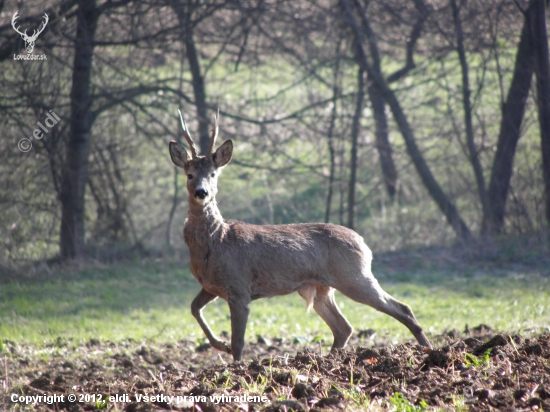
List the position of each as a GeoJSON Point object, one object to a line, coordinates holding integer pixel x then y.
{"type": "Point", "coordinates": [308, 292]}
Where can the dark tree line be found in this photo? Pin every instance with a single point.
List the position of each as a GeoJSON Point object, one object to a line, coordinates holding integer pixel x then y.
{"type": "Point", "coordinates": [336, 81]}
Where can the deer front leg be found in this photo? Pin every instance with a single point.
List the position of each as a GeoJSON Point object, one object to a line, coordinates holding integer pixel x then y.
{"type": "Point", "coordinates": [238, 307]}
{"type": "Point", "coordinates": [200, 301]}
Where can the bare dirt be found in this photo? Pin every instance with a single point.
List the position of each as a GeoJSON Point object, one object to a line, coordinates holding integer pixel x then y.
{"type": "Point", "coordinates": [477, 370]}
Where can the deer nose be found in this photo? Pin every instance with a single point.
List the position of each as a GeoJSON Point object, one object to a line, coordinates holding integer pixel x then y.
{"type": "Point", "coordinates": [201, 193]}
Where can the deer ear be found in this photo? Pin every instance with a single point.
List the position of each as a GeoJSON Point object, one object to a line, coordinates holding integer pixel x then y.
{"type": "Point", "coordinates": [179, 155]}
{"type": "Point", "coordinates": [222, 156]}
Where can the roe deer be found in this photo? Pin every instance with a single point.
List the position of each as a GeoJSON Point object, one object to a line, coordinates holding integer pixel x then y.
{"type": "Point", "coordinates": [240, 262]}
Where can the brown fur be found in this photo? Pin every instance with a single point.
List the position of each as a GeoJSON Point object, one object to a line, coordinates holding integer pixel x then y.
{"type": "Point", "coordinates": [241, 262]}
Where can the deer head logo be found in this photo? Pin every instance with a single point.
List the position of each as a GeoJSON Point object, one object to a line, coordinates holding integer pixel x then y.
{"type": "Point", "coordinates": [29, 40]}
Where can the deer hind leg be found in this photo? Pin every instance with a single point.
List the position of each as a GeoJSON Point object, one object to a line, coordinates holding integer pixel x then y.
{"type": "Point", "coordinates": [326, 307]}
{"type": "Point", "coordinates": [200, 301]}
{"type": "Point", "coordinates": [368, 291]}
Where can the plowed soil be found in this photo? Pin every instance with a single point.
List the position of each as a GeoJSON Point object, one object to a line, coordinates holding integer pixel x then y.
{"type": "Point", "coordinates": [478, 371]}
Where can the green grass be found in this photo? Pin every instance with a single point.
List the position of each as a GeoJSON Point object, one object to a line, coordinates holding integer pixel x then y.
{"type": "Point", "coordinates": [401, 404]}
{"type": "Point", "coordinates": [475, 361]}
{"type": "Point", "coordinates": [150, 301]}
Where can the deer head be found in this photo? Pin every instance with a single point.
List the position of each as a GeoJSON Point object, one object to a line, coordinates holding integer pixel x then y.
{"type": "Point", "coordinates": [29, 40]}
{"type": "Point", "coordinates": [202, 171]}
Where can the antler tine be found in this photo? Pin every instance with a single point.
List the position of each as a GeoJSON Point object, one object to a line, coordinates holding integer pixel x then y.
{"type": "Point", "coordinates": [214, 134]}
{"type": "Point", "coordinates": [40, 30]}
{"type": "Point", "coordinates": [188, 137]}
{"type": "Point", "coordinates": [13, 20]}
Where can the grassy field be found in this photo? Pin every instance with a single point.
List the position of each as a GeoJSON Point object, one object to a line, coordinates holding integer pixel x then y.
{"type": "Point", "coordinates": [149, 301]}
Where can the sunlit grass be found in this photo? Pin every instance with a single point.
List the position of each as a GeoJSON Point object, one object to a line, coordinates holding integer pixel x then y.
{"type": "Point", "coordinates": [151, 302]}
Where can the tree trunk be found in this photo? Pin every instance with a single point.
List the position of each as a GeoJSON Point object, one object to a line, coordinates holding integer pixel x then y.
{"type": "Point", "coordinates": [438, 195]}
{"type": "Point", "coordinates": [542, 71]}
{"type": "Point", "coordinates": [355, 129]}
{"type": "Point", "coordinates": [510, 124]}
{"type": "Point", "coordinates": [383, 146]}
{"type": "Point", "coordinates": [435, 191]}
{"type": "Point", "coordinates": [331, 150]}
{"type": "Point", "coordinates": [342, 187]}
{"type": "Point", "coordinates": [75, 171]}
{"type": "Point", "coordinates": [467, 105]}
{"type": "Point", "coordinates": [199, 92]}
{"type": "Point", "coordinates": [172, 209]}
{"type": "Point", "coordinates": [184, 17]}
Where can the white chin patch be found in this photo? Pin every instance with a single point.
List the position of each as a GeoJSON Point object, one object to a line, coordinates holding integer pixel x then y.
{"type": "Point", "coordinates": [201, 201]}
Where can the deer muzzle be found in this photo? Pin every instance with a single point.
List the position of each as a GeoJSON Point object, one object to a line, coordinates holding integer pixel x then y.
{"type": "Point", "coordinates": [201, 193]}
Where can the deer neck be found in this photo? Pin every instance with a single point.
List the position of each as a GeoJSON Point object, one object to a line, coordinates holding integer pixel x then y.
{"type": "Point", "coordinates": [204, 223]}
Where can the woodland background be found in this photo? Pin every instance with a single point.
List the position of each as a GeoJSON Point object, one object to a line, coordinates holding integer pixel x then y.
{"type": "Point", "coordinates": [413, 122]}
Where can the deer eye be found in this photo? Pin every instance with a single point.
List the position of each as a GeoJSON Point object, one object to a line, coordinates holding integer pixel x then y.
{"type": "Point", "coordinates": [213, 174]}
{"type": "Point", "coordinates": [190, 177]}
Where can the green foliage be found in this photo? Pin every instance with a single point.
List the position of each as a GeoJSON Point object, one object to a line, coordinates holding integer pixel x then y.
{"type": "Point", "coordinates": [475, 361]}
{"type": "Point", "coordinates": [402, 404]}
{"type": "Point", "coordinates": [101, 405]}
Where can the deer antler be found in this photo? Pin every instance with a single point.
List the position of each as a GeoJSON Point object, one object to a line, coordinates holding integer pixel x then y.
{"type": "Point", "coordinates": [188, 137]}
{"type": "Point", "coordinates": [35, 33]}
{"type": "Point", "coordinates": [40, 30]}
{"type": "Point", "coordinates": [15, 17]}
{"type": "Point", "coordinates": [214, 135]}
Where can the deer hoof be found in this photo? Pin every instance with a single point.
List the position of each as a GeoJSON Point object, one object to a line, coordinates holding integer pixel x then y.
{"type": "Point", "coordinates": [221, 346]}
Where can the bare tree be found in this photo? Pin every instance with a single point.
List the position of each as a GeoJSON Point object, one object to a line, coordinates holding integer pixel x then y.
{"type": "Point", "coordinates": [280, 64]}
{"type": "Point", "coordinates": [510, 130]}
{"type": "Point", "coordinates": [189, 15]}
{"type": "Point", "coordinates": [542, 71]}
{"type": "Point", "coordinates": [75, 171]}
{"type": "Point", "coordinates": [444, 203]}
{"type": "Point", "coordinates": [330, 136]}
{"type": "Point", "coordinates": [467, 106]}
{"type": "Point", "coordinates": [355, 130]}
{"type": "Point", "coordinates": [383, 145]}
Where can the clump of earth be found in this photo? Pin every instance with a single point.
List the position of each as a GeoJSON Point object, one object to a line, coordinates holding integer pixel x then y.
{"type": "Point", "coordinates": [476, 370]}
